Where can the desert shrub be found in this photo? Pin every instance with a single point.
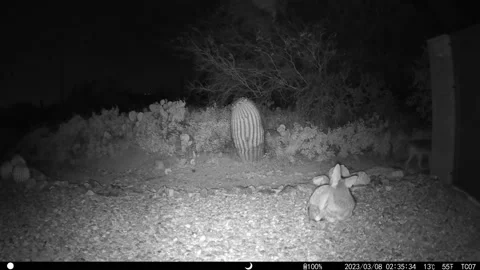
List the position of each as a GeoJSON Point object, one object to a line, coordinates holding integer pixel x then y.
{"type": "Point", "coordinates": [107, 134]}
{"type": "Point", "coordinates": [32, 143]}
{"type": "Point", "coordinates": [158, 130]}
{"type": "Point", "coordinates": [44, 145]}
{"type": "Point", "coordinates": [210, 128]}
{"type": "Point", "coordinates": [286, 66]}
{"type": "Point", "coordinates": [101, 134]}
{"type": "Point", "coordinates": [266, 66]}
{"type": "Point", "coordinates": [308, 141]}
{"type": "Point", "coordinates": [274, 118]}
{"type": "Point", "coordinates": [337, 99]}
{"type": "Point", "coordinates": [118, 125]}
{"type": "Point", "coordinates": [61, 144]}
{"type": "Point", "coordinates": [359, 137]}
{"type": "Point", "coordinates": [353, 139]}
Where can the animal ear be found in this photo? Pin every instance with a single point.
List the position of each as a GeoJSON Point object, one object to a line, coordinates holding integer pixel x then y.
{"type": "Point", "coordinates": [336, 175]}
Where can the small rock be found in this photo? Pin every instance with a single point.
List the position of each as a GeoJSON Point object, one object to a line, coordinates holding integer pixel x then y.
{"type": "Point", "coordinates": [321, 180]}
{"type": "Point", "coordinates": [351, 181]}
{"type": "Point", "coordinates": [204, 193]}
{"type": "Point", "coordinates": [384, 181]}
{"type": "Point", "coordinates": [159, 165]}
{"type": "Point", "coordinates": [363, 178]}
{"type": "Point", "coordinates": [289, 190]}
{"type": "Point", "coordinates": [306, 188]}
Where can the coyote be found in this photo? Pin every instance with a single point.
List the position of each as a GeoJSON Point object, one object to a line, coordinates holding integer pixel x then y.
{"type": "Point", "coordinates": [418, 149]}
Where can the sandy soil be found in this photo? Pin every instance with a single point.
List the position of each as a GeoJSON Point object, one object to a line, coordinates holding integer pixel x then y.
{"type": "Point", "coordinates": [217, 209]}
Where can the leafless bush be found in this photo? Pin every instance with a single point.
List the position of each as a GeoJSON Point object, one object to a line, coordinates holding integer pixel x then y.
{"type": "Point", "coordinates": [286, 66]}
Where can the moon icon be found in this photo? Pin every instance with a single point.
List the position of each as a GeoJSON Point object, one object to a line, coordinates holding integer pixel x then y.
{"type": "Point", "coordinates": [250, 267]}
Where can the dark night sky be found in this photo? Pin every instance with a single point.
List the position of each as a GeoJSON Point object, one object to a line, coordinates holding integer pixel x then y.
{"type": "Point", "coordinates": [117, 41]}
{"type": "Point", "coordinates": [98, 41]}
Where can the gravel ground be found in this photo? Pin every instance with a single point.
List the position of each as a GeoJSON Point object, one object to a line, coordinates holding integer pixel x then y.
{"type": "Point", "coordinates": [414, 219]}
